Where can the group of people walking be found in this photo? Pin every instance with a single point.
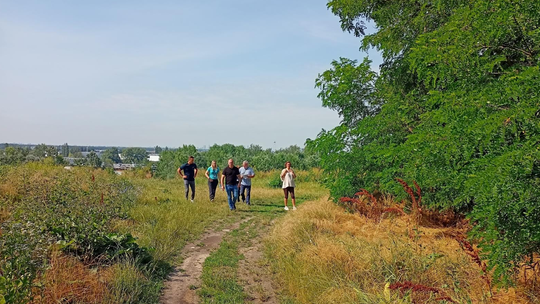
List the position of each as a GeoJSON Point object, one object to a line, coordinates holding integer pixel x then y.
{"type": "Point", "coordinates": [236, 181]}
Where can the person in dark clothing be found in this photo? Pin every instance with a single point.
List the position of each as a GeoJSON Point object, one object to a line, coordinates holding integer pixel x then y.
{"type": "Point", "coordinates": [189, 174]}
{"type": "Point", "coordinates": [229, 181]}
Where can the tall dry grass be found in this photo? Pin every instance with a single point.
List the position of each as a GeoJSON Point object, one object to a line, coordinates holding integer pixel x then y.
{"type": "Point", "coordinates": [68, 280]}
{"type": "Point", "coordinates": [323, 254]}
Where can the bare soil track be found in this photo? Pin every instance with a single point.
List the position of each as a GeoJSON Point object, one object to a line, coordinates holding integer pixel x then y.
{"type": "Point", "coordinates": [180, 288]}
{"type": "Point", "coordinates": [254, 275]}
{"type": "Point", "coordinates": [182, 285]}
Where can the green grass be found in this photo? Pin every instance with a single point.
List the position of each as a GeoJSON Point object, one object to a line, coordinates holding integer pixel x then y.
{"type": "Point", "coordinates": [131, 285]}
{"type": "Point", "coordinates": [220, 270]}
{"type": "Point", "coordinates": [163, 220]}
{"type": "Point", "coordinates": [220, 278]}
{"type": "Point", "coordinates": [45, 206]}
{"type": "Point", "coordinates": [154, 211]}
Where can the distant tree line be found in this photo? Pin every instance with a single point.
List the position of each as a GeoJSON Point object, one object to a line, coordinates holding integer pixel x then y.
{"type": "Point", "coordinates": [17, 154]}
{"type": "Point", "coordinates": [13, 155]}
{"type": "Point", "coordinates": [170, 159]}
{"type": "Point", "coordinates": [259, 158]}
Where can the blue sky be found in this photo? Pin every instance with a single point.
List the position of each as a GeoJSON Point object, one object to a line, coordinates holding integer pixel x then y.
{"type": "Point", "coordinates": [168, 73]}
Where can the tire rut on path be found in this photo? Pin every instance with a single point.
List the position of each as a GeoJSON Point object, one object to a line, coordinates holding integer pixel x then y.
{"type": "Point", "coordinates": [179, 287]}
{"type": "Point", "coordinates": [255, 276]}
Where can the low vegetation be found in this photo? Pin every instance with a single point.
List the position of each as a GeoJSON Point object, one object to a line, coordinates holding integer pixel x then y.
{"type": "Point", "coordinates": [59, 223]}
{"type": "Point", "coordinates": [88, 235]}
{"type": "Point", "coordinates": [325, 255]}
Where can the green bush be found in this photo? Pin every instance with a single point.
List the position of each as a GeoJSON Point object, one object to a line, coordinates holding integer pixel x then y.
{"type": "Point", "coordinates": [455, 107]}
{"type": "Point", "coordinates": [73, 210]}
{"type": "Point", "coordinates": [275, 182]}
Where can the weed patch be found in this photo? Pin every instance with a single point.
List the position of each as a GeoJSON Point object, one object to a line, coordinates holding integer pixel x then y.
{"type": "Point", "coordinates": [220, 279]}
{"type": "Point", "coordinates": [71, 209]}
{"type": "Point", "coordinates": [349, 259]}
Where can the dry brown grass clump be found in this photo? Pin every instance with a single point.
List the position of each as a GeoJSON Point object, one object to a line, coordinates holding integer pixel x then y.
{"type": "Point", "coordinates": [323, 254]}
{"type": "Point", "coordinates": [68, 280]}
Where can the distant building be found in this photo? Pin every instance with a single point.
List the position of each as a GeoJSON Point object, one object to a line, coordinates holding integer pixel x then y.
{"type": "Point", "coordinates": [122, 167]}
{"type": "Point", "coordinates": [153, 157]}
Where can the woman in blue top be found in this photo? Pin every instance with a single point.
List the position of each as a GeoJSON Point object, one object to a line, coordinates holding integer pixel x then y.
{"type": "Point", "coordinates": [212, 176]}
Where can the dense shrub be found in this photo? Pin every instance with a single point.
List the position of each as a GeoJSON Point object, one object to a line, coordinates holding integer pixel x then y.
{"type": "Point", "coordinates": [72, 209]}
{"type": "Point", "coordinates": [455, 107]}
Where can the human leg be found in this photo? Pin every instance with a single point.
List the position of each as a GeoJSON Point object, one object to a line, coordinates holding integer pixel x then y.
{"type": "Point", "coordinates": [230, 195]}
{"type": "Point", "coordinates": [213, 187]}
{"type": "Point", "coordinates": [235, 192]}
{"type": "Point", "coordinates": [186, 186]}
{"type": "Point", "coordinates": [192, 186]}
{"type": "Point", "coordinates": [248, 195]}
{"type": "Point", "coordinates": [243, 192]}
{"type": "Point", "coordinates": [293, 198]}
{"type": "Point", "coordinates": [238, 196]}
{"type": "Point", "coordinates": [286, 193]}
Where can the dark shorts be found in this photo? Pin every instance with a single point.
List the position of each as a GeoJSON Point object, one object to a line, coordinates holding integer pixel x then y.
{"type": "Point", "coordinates": [288, 190]}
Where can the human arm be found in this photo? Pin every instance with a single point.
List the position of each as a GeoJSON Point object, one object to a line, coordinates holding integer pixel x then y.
{"type": "Point", "coordinates": [195, 171]}
{"type": "Point", "coordinates": [222, 181]}
{"type": "Point", "coordinates": [180, 171]}
{"type": "Point", "coordinates": [283, 172]}
{"type": "Point", "coordinates": [206, 173]}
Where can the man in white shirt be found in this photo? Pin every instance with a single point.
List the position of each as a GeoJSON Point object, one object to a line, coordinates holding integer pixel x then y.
{"type": "Point", "coordinates": [247, 174]}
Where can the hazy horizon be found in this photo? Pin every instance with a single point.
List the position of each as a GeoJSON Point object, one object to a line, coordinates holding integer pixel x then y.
{"type": "Point", "coordinates": [146, 147]}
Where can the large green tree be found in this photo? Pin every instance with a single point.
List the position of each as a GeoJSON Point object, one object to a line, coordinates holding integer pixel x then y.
{"type": "Point", "coordinates": [455, 107]}
{"type": "Point", "coordinates": [171, 160]}
{"type": "Point", "coordinates": [13, 155]}
{"type": "Point", "coordinates": [134, 155]}
{"type": "Point", "coordinates": [43, 150]}
{"type": "Point", "coordinates": [93, 160]}
{"type": "Point", "coordinates": [65, 150]}
{"type": "Point", "coordinates": [111, 156]}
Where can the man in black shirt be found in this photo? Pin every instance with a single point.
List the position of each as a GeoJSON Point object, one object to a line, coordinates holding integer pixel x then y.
{"type": "Point", "coordinates": [190, 172]}
{"type": "Point", "coordinates": [232, 174]}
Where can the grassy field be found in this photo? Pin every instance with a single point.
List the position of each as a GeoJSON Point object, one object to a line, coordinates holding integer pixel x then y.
{"type": "Point", "coordinates": [90, 236]}
{"type": "Point", "coordinates": [117, 237]}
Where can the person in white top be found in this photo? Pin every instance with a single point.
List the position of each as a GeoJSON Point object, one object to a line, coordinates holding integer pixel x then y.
{"type": "Point", "coordinates": [287, 177]}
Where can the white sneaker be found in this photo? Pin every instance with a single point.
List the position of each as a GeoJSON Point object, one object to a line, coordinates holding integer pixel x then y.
{"type": "Point", "coordinates": [286, 208]}
{"type": "Point", "coordinates": [293, 208]}
{"type": "Point", "coordinates": [192, 201]}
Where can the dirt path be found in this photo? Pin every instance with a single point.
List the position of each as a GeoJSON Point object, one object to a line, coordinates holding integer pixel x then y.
{"type": "Point", "coordinates": [254, 275]}
{"type": "Point", "coordinates": [180, 288]}
{"type": "Point", "coordinates": [253, 271]}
